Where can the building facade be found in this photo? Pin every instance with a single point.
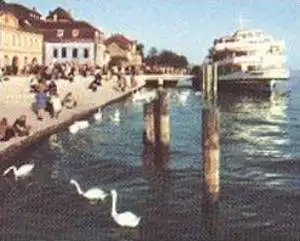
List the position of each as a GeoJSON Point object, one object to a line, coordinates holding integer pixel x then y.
{"type": "Point", "coordinates": [124, 49]}
{"type": "Point", "coordinates": [20, 44]}
{"type": "Point", "coordinates": [69, 40]}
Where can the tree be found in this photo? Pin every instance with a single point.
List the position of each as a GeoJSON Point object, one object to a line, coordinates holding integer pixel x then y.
{"type": "Point", "coordinates": [152, 52]}
{"type": "Point", "coordinates": [196, 70]}
{"type": "Point", "coordinates": [140, 48]}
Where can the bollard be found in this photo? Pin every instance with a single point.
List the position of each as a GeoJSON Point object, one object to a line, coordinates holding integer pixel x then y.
{"type": "Point", "coordinates": [211, 153]}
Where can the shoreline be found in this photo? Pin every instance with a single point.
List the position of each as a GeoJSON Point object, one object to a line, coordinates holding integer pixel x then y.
{"type": "Point", "coordinates": [104, 97]}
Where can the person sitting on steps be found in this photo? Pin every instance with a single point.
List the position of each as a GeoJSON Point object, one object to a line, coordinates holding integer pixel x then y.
{"type": "Point", "coordinates": [20, 126]}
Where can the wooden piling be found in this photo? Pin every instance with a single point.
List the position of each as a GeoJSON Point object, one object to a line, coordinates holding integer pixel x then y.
{"type": "Point", "coordinates": [211, 152]}
{"type": "Point", "coordinates": [210, 134]}
{"type": "Point", "coordinates": [164, 127]}
{"type": "Point", "coordinates": [149, 132]}
{"type": "Point", "coordinates": [215, 81]}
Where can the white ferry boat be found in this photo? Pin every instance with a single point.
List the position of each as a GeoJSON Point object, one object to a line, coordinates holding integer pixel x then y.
{"type": "Point", "coordinates": [249, 58]}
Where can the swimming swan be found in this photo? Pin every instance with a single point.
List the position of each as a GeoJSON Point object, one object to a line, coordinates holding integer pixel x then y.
{"type": "Point", "coordinates": [78, 125]}
{"type": "Point", "coordinates": [126, 219]}
{"type": "Point", "coordinates": [116, 117]}
{"type": "Point", "coordinates": [98, 115]}
{"type": "Point", "coordinates": [21, 172]}
{"type": "Point", "coordinates": [93, 194]}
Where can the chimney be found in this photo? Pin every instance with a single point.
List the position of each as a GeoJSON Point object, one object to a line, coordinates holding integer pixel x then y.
{"type": "Point", "coordinates": [34, 9]}
{"type": "Point", "coordinates": [54, 17]}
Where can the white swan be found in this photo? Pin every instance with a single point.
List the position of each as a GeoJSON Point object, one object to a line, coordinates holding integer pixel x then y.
{"type": "Point", "coordinates": [98, 115]}
{"type": "Point", "coordinates": [21, 172]}
{"type": "Point", "coordinates": [198, 93]}
{"type": "Point", "coordinates": [93, 194]}
{"type": "Point", "coordinates": [146, 96]}
{"type": "Point", "coordinates": [182, 97]}
{"type": "Point", "coordinates": [78, 125]}
{"type": "Point", "coordinates": [137, 97]}
{"type": "Point", "coordinates": [82, 124]}
{"type": "Point", "coordinates": [116, 117]}
{"type": "Point", "coordinates": [126, 219]}
{"type": "Point", "coordinates": [73, 128]}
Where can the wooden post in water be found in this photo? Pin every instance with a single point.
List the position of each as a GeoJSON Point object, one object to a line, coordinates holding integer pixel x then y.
{"type": "Point", "coordinates": [164, 134]}
{"type": "Point", "coordinates": [210, 137]}
{"type": "Point", "coordinates": [162, 128]}
{"type": "Point", "coordinates": [149, 132]}
{"type": "Point", "coordinates": [211, 152]}
{"type": "Point", "coordinates": [215, 82]}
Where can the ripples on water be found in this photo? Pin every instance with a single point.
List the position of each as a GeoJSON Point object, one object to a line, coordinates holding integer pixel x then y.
{"type": "Point", "coordinates": [260, 178]}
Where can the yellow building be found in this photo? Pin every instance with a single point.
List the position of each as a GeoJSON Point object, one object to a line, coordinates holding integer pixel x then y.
{"type": "Point", "coordinates": [124, 49]}
{"type": "Point", "coordinates": [20, 44]}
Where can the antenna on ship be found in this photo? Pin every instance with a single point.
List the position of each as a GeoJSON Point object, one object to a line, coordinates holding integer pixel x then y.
{"type": "Point", "coordinates": [241, 21]}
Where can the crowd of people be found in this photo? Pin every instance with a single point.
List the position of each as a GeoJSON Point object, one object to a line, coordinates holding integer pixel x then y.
{"type": "Point", "coordinates": [47, 98]}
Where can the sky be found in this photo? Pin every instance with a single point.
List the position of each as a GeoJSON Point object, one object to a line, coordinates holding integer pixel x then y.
{"type": "Point", "coordinates": [186, 27]}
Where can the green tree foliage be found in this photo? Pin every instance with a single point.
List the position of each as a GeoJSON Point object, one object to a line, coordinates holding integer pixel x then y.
{"type": "Point", "coordinates": [166, 58]}
{"type": "Point", "coordinates": [141, 48]}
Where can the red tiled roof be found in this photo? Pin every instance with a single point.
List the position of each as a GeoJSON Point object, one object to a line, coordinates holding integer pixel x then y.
{"type": "Point", "coordinates": [19, 10]}
{"type": "Point", "coordinates": [25, 26]}
{"type": "Point", "coordinates": [50, 28]}
{"type": "Point", "coordinates": [120, 40]}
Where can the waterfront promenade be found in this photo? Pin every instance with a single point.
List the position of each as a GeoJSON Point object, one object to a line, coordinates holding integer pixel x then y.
{"type": "Point", "coordinates": [15, 100]}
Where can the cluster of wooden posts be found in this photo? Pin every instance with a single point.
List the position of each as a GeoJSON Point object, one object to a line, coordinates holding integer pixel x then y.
{"type": "Point", "coordinates": [157, 130]}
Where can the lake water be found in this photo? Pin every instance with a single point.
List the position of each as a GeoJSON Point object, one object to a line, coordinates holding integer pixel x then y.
{"type": "Point", "coordinates": [260, 177]}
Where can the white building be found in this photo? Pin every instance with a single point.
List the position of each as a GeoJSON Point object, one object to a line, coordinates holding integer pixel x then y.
{"type": "Point", "coordinates": [69, 40]}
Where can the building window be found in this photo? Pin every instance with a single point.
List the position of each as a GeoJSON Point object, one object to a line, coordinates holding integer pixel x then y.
{"type": "Point", "coordinates": [75, 33]}
{"type": "Point", "coordinates": [75, 53]}
{"type": "Point", "coordinates": [19, 40]}
{"type": "Point", "coordinates": [55, 53]}
{"type": "Point", "coordinates": [64, 52]}
{"type": "Point", "coordinates": [13, 40]}
{"type": "Point", "coordinates": [25, 61]}
{"type": "Point", "coordinates": [86, 53]}
{"type": "Point", "coordinates": [60, 33]}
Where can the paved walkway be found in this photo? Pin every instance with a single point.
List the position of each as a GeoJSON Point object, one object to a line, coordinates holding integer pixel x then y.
{"type": "Point", "coordinates": [16, 100]}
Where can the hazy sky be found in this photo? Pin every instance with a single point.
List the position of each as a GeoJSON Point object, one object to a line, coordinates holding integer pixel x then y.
{"type": "Point", "coordinates": [186, 26]}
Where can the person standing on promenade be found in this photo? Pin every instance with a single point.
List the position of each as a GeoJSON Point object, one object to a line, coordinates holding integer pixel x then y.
{"type": "Point", "coordinates": [41, 100]}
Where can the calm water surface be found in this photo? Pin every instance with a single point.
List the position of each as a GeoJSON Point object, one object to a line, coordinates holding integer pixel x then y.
{"type": "Point", "coordinates": [260, 177]}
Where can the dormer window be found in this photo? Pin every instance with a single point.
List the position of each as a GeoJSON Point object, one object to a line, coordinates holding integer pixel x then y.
{"type": "Point", "coordinates": [75, 33]}
{"type": "Point", "coordinates": [60, 33]}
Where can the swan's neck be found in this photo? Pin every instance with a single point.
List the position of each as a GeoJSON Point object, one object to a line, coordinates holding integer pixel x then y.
{"type": "Point", "coordinates": [114, 204]}
{"type": "Point", "coordinates": [14, 169]}
{"type": "Point", "coordinates": [79, 190]}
